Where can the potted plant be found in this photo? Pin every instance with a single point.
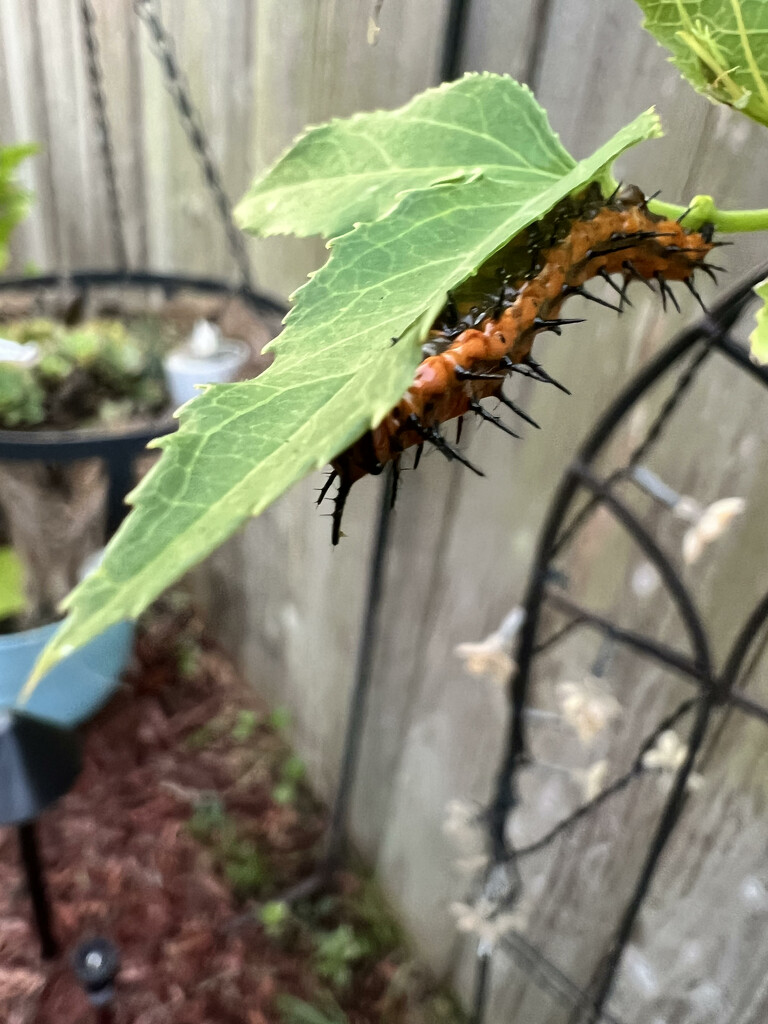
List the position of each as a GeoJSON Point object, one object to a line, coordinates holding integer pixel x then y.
{"type": "Point", "coordinates": [54, 381]}
{"type": "Point", "coordinates": [78, 404]}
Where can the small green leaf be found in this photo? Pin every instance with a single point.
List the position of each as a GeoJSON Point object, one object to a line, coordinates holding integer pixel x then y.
{"type": "Point", "coordinates": [12, 600]}
{"type": "Point", "coordinates": [14, 200]}
{"type": "Point", "coordinates": [353, 170]}
{"type": "Point", "coordinates": [296, 1011]}
{"type": "Point", "coordinates": [758, 339]}
{"type": "Point", "coordinates": [721, 46]}
{"type": "Point", "coordinates": [337, 373]}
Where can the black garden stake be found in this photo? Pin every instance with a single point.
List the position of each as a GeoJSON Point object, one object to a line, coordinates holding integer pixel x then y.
{"type": "Point", "coordinates": [39, 762]}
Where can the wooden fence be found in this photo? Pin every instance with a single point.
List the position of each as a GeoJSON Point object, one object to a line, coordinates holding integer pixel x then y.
{"type": "Point", "coordinates": [290, 607]}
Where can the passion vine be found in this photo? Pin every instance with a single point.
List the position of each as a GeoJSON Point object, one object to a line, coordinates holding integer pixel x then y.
{"type": "Point", "coordinates": [459, 225]}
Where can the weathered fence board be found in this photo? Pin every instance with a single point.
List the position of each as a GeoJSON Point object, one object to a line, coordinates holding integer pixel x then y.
{"type": "Point", "coordinates": [290, 607]}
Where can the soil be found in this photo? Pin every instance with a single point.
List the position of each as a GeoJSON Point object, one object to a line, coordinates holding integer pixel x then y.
{"type": "Point", "coordinates": [189, 819]}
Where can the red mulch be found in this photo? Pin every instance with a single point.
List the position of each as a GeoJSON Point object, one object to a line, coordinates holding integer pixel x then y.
{"type": "Point", "coordinates": [121, 861]}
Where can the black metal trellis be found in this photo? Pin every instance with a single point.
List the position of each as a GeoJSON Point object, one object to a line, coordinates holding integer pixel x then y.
{"type": "Point", "coordinates": [686, 355]}
{"type": "Point", "coordinates": [715, 689]}
{"type": "Point", "coordinates": [693, 349]}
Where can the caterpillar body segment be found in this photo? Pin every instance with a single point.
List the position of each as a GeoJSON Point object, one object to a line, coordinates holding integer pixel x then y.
{"type": "Point", "coordinates": [467, 357]}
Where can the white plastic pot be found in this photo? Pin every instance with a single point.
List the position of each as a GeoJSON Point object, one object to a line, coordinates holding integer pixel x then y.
{"type": "Point", "coordinates": [206, 358]}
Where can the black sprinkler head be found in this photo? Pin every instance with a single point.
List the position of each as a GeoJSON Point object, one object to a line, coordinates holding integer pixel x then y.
{"type": "Point", "coordinates": [96, 963]}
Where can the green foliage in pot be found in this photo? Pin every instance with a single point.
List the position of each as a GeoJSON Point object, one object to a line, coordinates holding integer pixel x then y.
{"type": "Point", "coordinates": [98, 372]}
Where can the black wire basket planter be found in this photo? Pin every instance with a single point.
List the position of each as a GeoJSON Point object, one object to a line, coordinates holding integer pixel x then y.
{"type": "Point", "coordinates": [96, 669]}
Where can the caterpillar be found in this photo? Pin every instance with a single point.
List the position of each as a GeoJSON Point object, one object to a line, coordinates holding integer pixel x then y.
{"type": "Point", "coordinates": [471, 349]}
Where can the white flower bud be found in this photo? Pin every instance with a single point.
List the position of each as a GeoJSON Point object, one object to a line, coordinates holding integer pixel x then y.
{"type": "Point", "coordinates": [588, 706]}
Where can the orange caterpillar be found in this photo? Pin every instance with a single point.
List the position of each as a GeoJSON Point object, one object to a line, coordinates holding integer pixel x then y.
{"type": "Point", "coordinates": [467, 359]}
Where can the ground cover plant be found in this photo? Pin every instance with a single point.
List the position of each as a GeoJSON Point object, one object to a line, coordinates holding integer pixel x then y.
{"type": "Point", "coordinates": [101, 372]}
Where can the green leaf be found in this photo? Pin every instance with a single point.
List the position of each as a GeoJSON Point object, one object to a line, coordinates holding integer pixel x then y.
{"type": "Point", "coordinates": [758, 339]}
{"type": "Point", "coordinates": [296, 1011]}
{"type": "Point", "coordinates": [353, 170]}
{"type": "Point", "coordinates": [337, 373]}
{"type": "Point", "coordinates": [721, 46]}
{"type": "Point", "coordinates": [12, 600]}
{"type": "Point", "coordinates": [14, 200]}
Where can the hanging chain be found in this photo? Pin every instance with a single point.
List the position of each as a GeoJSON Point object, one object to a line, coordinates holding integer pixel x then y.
{"type": "Point", "coordinates": [98, 99]}
{"type": "Point", "coordinates": [195, 132]}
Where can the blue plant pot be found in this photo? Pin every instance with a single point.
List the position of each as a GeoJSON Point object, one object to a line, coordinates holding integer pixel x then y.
{"type": "Point", "coordinates": [78, 686]}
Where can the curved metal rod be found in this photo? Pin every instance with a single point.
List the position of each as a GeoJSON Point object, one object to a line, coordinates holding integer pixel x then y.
{"type": "Point", "coordinates": [723, 316]}
{"type": "Point", "coordinates": [72, 445]}
{"type": "Point", "coordinates": [741, 646]}
{"type": "Point", "coordinates": [678, 592]}
{"type": "Point", "coordinates": [720, 320]}
{"type": "Point", "coordinates": [643, 645]}
{"type": "Point", "coordinates": [604, 979]}
{"type": "Point", "coordinates": [170, 283]}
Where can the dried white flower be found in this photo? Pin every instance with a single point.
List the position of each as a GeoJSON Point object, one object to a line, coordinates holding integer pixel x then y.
{"type": "Point", "coordinates": [489, 927]}
{"type": "Point", "coordinates": [588, 706]}
{"type": "Point", "coordinates": [666, 781]}
{"type": "Point", "coordinates": [592, 779]}
{"type": "Point", "coordinates": [461, 818]}
{"type": "Point", "coordinates": [645, 580]}
{"type": "Point", "coordinates": [487, 659]}
{"type": "Point", "coordinates": [374, 28]}
{"type": "Point", "coordinates": [687, 508]}
{"type": "Point", "coordinates": [491, 657]}
{"type": "Point", "coordinates": [711, 523]}
{"type": "Point", "coordinates": [373, 32]}
{"type": "Point", "coordinates": [471, 865]}
{"type": "Point", "coordinates": [667, 754]}
{"type": "Point", "coordinates": [695, 782]}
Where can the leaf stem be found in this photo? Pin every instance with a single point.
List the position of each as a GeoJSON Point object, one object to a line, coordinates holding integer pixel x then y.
{"type": "Point", "coordinates": [704, 211]}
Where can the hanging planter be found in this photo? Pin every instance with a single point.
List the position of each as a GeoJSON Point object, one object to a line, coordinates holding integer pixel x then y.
{"type": "Point", "coordinates": [82, 683]}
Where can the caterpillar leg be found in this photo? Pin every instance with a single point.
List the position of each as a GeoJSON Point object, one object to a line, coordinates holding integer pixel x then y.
{"type": "Point", "coordinates": [339, 501]}
{"type": "Point", "coordinates": [326, 487]}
